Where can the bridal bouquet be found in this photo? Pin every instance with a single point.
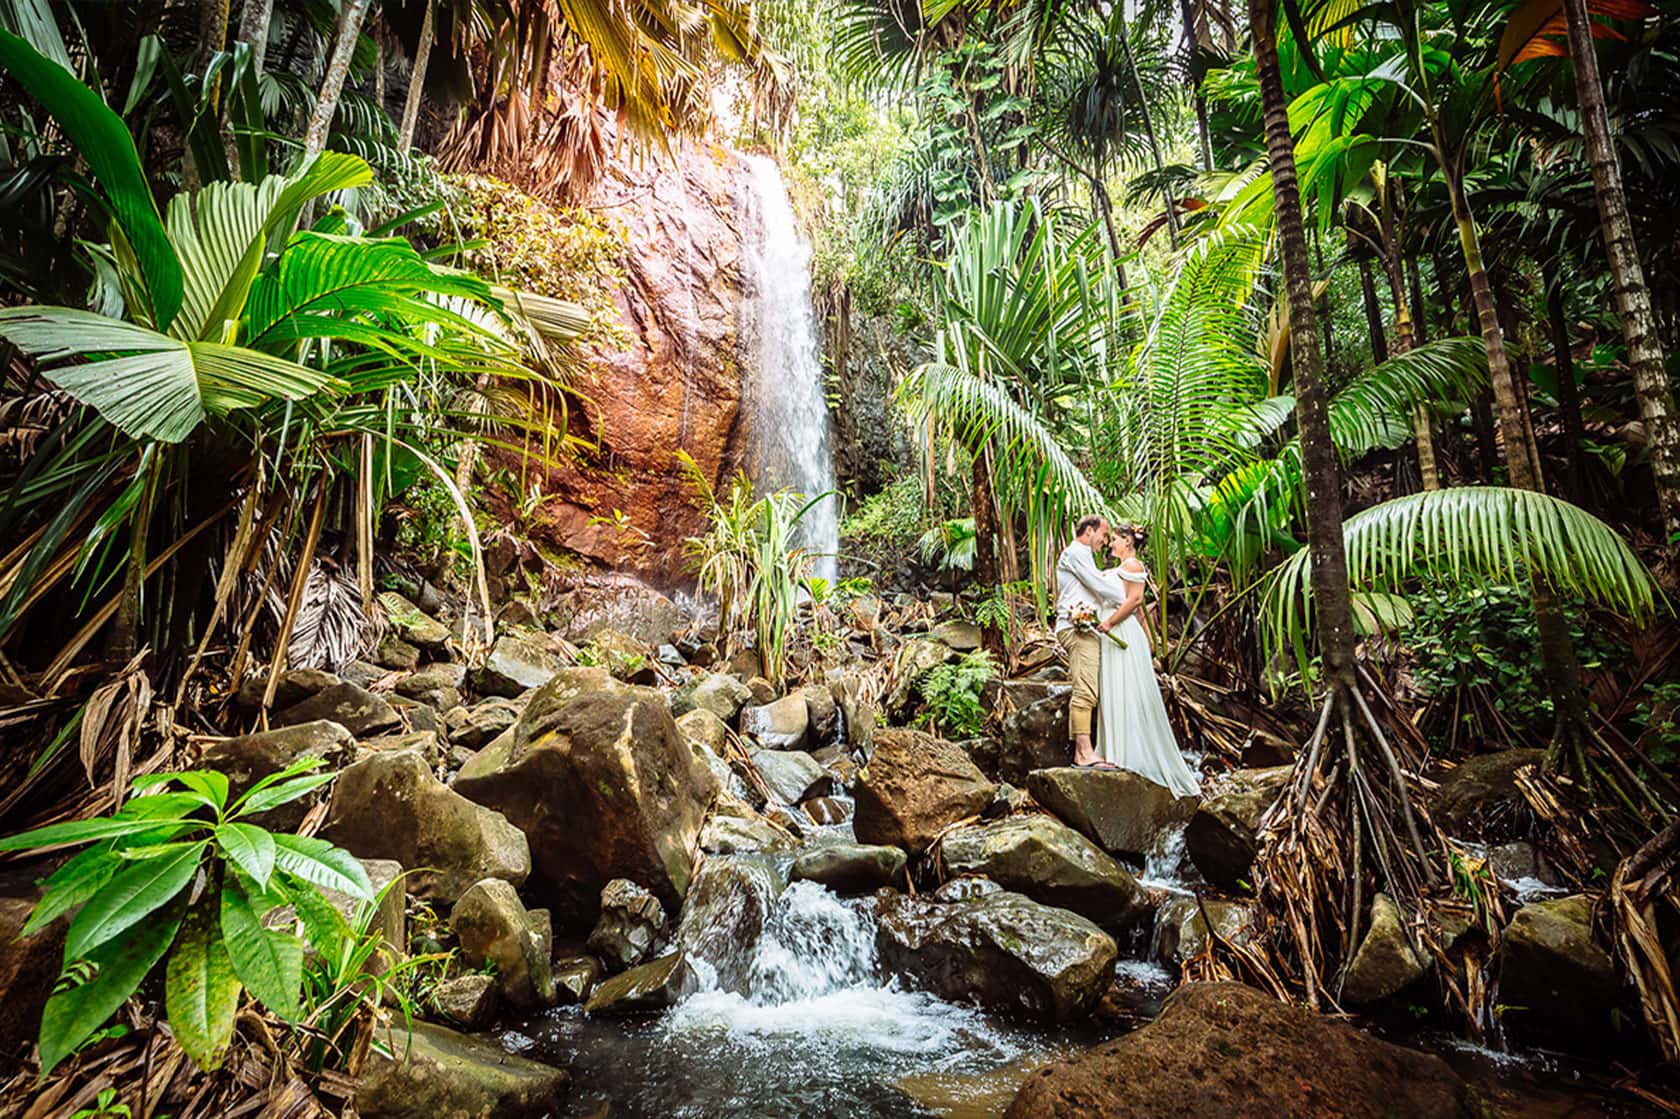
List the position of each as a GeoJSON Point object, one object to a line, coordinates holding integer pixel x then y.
{"type": "Point", "coordinates": [1083, 616]}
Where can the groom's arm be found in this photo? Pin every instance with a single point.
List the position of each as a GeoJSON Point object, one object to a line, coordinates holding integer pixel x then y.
{"type": "Point", "coordinates": [1083, 568]}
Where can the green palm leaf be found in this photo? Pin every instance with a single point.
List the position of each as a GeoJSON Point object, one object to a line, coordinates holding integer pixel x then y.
{"type": "Point", "coordinates": [1372, 410]}
{"type": "Point", "coordinates": [1470, 534]}
{"type": "Point", "coordinates": [148, 384]}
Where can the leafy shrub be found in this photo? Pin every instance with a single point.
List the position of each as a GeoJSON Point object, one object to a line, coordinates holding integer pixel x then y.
{"type": "Point", "coordinates": [131, 901]}
{"type": "Point", "coordinates": [952, 693]}
{"type": "Point", "coordinates": [1659, 720]}
{"type": "Point", "coordinates": [1483, 641]}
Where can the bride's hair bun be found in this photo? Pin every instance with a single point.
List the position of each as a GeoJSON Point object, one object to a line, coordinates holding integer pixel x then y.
{"type": "Point", "coordinates": [1137, 534]}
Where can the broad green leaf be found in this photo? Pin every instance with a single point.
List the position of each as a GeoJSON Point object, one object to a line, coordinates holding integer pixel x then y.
{"type": "Point", "coordinates": [270, 962]}
{"type": "Point", "coordinates": [207, 783]}
{"type": "Point", "coordinates": [201, 992]}
{"type": "Point", "coordinates": [305, 764]}
{"type": "Point", "coordinates": [323, 924]}
{"type": "Point", "coordinates": [71, 1016]}
{"type": "Point", "coordinates": [71, 885]}
{"type": "Point", "coordinates": [262, 800]}
{"type": "Point", "coordinates": [319, 862]}
{"type": "Point", "coordinates": [137, 890]}
{"type": "Point", "coordinates": [148, 384]}
{"type": "Point", "coordinates": [104, 141]}
{"type": "Point", "coordinates": [251, 847]}
{"type": "Point", "coordinates": [81, 831]}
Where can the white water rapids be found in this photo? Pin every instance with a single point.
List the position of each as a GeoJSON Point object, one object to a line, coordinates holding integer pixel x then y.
{"type": "Point", "coordinates": [791, 446]}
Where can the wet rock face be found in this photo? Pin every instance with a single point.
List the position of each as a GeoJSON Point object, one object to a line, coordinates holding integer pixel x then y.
{"type": "Point", "coordinates": [494, 928]}
{"type": "Point", "coordinates": [650, 986]}
{"type": "Point", "coordinates": [632, 922]}
{"type": "Point", "coordinates": [1120, 812]}
{"type": "Point", "coordinates": [1221, 837]}
{"type": "Point", "coordinates": [435, 1073]}
{"type": "Point", "coordinates": [1034, 737]}
{"type": "Point", "coordinates": [850, 868]}
{"type": "Point", "coordinates": [605, 787]}
{"type": "Point", "coordinates": [1224, 1049]}
{"type": "Point", "coordinates": [914, 787]}
{"type": "Point", "coordinates": [726, 913]}
{"type": "Point", "coordinates": [1386, 961]}
{"type": "Point", "coordinates": [1558, 982]}
{"type": "Point", "coordinates": [1048, 861]}
{"type": "Point", "coordinates": [389, 806]}
{"type": "Point", "coordinates": [1479, 798]}
{"type": "Point", "coordinates": [999, 949]}
{"type": "Point", "coordinates": [677, 386]}
{"type": "Point", "coordinates": [1181, 926]}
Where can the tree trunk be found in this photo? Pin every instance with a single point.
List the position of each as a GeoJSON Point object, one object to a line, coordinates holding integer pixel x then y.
{"type": "Point", "coordinates": [1105, 206]}
{"type": "Point", "coordinates": [1332, 602]}
{"type": "Point", "coordinates": [254, 20]}
{"type": "Point", "coordinates": [1325, 323]}
{"type": "Point", "coordinates": [1373, 313]}
{"type": "Point", "coordinates": [1418, 322]}
{"type": "Point", "coordinates": [416, 81]}
{"type": "Point", "coordinates": [1191, 46]}
{"type": "Point", "coordinates": [320, 124]}
{"type": "Point", "coordinates": [1569, 394]}
{"type": "Point", "coordinates": [985, 537]}
{"type": "Point", "coordinates": [1522, 464]}
{"type": "Point", "coordinates": [1149, 133]}
{"type": "Point", "coordinates": [1633, 298]}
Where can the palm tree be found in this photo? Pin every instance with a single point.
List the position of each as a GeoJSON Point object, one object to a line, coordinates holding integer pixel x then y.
{"type": "Point", "coordinates": [1633, 298]}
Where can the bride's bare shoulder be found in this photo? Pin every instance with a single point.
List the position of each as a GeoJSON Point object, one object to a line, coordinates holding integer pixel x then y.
{"type": "Point", "coordinates": [1132, 563]}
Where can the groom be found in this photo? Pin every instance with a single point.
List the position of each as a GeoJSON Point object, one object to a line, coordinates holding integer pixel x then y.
{"type": "Point", "coordinates": [1079, 582]}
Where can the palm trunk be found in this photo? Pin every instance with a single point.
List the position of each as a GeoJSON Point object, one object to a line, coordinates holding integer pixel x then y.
{"type": "Point", "coordinates": [1332, 602]}
{"type": "Point", "coordinates": [254, 20]}
{"type": "Point", "coordinates": [1569, 394]}
{"type": "Point", "coordinates": [1373, 313]}
{"type": "Point", "coordinates": [1558, 660]}
{"type": "Point", "coordinates": [1633, 298]}
{"type": "Point", "coordinates": [416, 81]}
{"type": "Point", "coordinates": [1105, 206]}
{"type": "Point", "coordinates": [985, 537]}
{"type": "Point", "coordinates": [338, 67]}
{"type": "Point", "coordinates": [1191, 45]}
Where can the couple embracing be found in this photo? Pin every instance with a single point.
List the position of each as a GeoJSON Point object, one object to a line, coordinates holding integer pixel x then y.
{"type": "Point", "coordinates": [1101, 623]}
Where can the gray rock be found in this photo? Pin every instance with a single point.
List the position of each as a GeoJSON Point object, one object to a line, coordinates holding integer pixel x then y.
{"type": "Point", "coordinates": [850, 868]}
{"type": "Point", "coordinates": [575, 977]}
{"type": "Point", "coordinates": [914, 660]}
{"type": "Point", "coordinates": [295, 686]}
{"type": "Point", "coordinates": [1558, 984]}
{"type": "Point", "coordinates": [914, 787]}
{"type": "Point", "coordinates": [777, 726]}
{"type": "Point", "coordinates": [390, 806]}
{"type": "Point", "coordinates": [1119, 811]}
{"type": "Point", "coordinates": [605, 787]}
{"type": "Point", "coordinates": [741, 834]}
{"type": "Point", "coordinates": [390, 913]}
{"type": "Point", "coordinates": [477, 726]}
{"type": "Point", "coordinates": [1221, 836]}
{"type": "Point", "coordinates": [726, 913]}
{"type": "Point", "coordinates": [631, 925]}
{"type": "Point", "coordinates": [651, 986]}
{"type": "Point", "coordinates": [820, 710]}
{"type": "Point", "coordinates": [721, 694]}
{"type": "Point", "coordinates": [516, 664]}
{"type": "Point", "coordinates": [1034, 737]}
{"type": "Point", "coordinates": [1002, 950]}
{"type": "Point", "coordinates": [426, 743]}
{"type": "Point", "coordinates": [494, 928]}
{"type": "Point", "coordinates": [354, 708]}
{"type": "Point", "coordinates": [396, 654]}
{"type": "Point", "coordinates": [668, 655]}
{"type": "Point", "coordinates": [412, 624]}
{"type": "Point", "coordinates": [436, 685]}
{"type": "Point", "coordinates": [1386, 962]}
{"type": "Point", "coordinates": [789, 774]}
{"type": "Point", "coordinates": [467, 1001]}
{"type": "Point", "coordinates": [249, 758]}
{"type": "Point", "coordinates": [1181, 926]}
{"type": "Point", "coordinates": [363, 673]}
{"type": "Point", "coordinates": [705, 729]}
{"type": "Point", "coordinates": [959, 634]}
{"type": "Point", "coordinates": [1048, 861]}
{"type": "Point", "coordinates": [432, 1072]}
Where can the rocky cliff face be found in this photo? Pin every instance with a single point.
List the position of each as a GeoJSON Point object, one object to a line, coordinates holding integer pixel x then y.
{"type": "Point", "coordinates": [677, 387]}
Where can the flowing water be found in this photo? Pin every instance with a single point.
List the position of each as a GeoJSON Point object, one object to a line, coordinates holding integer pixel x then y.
{"type": "Point", "coordinates": [799, 1024]}
{"type": "Point", "coordinates": [791, 445]}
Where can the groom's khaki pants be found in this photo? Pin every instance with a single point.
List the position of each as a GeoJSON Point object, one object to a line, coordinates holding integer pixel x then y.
{"type": "Point", "coordinates": [1084, 667]}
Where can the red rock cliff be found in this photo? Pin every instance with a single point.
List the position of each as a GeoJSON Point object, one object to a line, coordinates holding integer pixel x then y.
{"type": "Point", "coordinates": [678, 385]}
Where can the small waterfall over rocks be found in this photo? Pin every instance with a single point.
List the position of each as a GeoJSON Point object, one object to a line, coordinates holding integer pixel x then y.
{"type": "Point", "coordinates": [791, 447]}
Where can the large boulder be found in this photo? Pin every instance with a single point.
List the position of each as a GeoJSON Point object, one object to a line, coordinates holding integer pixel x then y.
{"type": "Point", "coordinates": [1479, 799]}
{"type": "Point", "coordinates": [914, 787]}
{"type": "Point", "coordinates": [1034, 737]}
{"type": "Point", "coordinates": [726, 913]}
{"type": "Point", "coordinates": [999, 949]}
{"type": "Point", "coordinates": [1386, 961]}
{"type": "Point", "coordinates": [28, 968]}
{"type": "Point", "coordinates": [631, 924]}
{"type": "Point", "coordinates": [494, 928]}
{"type": "Point", "coordinates": [1118, 810]}
{"type": "Point", "coordinates": [390, 806]}
{"type": "Point", "coordinates": [349, 705]}
{"type": "Point", "coordinates": [432, 1072]}
{"type": "Point", "coordinates": [1221, 838]}
{"type": "Point", "coordinates": [850, 868]}
{"type": "Point", "coordinates": [516, 664]}
{"type": "Point", "coordinates": [1558, 984]}
{"type": "Point", "coordinates": [1043, 858]}
{"type": "Point", "coordinates": [605, 787]}
{"type": "Point", "coordinates": [249, 758]}
{"type": "Point", "coordinates": [618, 603]}
{"type": "Point", "coordinates": [1228, 1050]}
{"type": "Point", "coordinates": [959, 634]}
{"type": "Point", "coordinates": [294, 686]}
{"type": "Point", "coordinates": [705, 729]}
{"type": "Point", "coordinates": [790, 775]}
{"type": "Point", "coordinates": [1182, 926]}
{"type": "Point", "coordinates": [650, 986]}
{"type": "Point", "coordinates": [779, 725]}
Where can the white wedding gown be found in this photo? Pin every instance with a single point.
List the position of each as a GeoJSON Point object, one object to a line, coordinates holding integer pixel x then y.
{"type": "Point", "coordinates": [1132, 728]}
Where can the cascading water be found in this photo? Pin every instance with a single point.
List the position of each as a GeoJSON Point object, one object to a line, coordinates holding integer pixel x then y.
{"type": "Point", "coordinates": [791, 446]}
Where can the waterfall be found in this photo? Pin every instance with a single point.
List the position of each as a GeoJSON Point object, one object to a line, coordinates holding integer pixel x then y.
{"type": "Point", "coordinates": [790, 442]}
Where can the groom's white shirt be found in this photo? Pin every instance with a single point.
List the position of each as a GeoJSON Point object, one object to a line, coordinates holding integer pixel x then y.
{"type": "Point", "coordinates": [1078, 580]}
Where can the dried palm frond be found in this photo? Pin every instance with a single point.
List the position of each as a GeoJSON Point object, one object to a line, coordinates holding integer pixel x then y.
{"type": "Point", "coordinates": [1651, 875]}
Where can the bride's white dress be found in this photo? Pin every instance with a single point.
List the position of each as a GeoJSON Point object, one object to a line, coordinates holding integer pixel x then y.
{"type": "Point", "coordinates": [1132, 727]}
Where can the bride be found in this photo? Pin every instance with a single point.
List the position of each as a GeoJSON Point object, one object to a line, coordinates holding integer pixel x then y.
{"type": "Point", "coordinates": [1133, 732]}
